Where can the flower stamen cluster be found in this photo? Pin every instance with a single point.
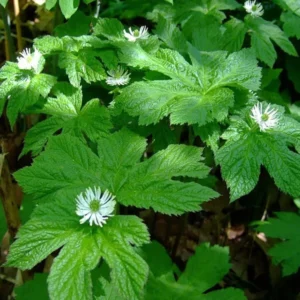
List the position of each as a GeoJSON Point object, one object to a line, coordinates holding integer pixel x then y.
{"type": "Point", "coordinates": [118, 77]}
{"type": "Point", "coordinates": [266, 119]}
{"type": "Point", "coordinates": [133, 35]}
{"type": "Point", "coordinates": [256, 10]}
{"type": "Point", "coordinates": [94, 206]}
{"type": "Point", "coordinates": [28, 60]}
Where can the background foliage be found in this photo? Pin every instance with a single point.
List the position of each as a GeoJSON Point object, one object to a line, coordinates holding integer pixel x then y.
{"type": "Point", "coordinates": [176, 146]}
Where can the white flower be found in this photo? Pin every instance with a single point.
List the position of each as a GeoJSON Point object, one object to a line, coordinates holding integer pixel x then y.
{"type": "Point", "coordinates": [265, 119]}
{"type": "Point", "coordinates": [254, 9]}
{"type": "Point", "coordinates": [39, 2]}
{"type": "Point", "coordinates": [29, 60]}
{"type": "Point", "coordinates": [95, 207]}
{"type": "Point", "coordinates": [118, 77]}
{"type": "Point", "coordinates": [141, 34]}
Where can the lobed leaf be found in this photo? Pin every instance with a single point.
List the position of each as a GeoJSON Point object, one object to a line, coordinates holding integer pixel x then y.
{"type": "Point", "coordinates": [284, 226]}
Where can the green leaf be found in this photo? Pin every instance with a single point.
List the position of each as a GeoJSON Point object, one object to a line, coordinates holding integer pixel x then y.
{"type": "Point", "coordinates": [240, 162]}
{"type": "Point", "coordinates": [83, 64]}
{"type": "Point", "coordinates": [165, 61]}
{"type": "Point", "coordinates": [292, 67]}
{"type": "Point", "coordinates": [128, 149]}
{"type": "Point", "coordinates": [233, 37]}
{"type": "Point", "coordinates": [68, 7]}
{"type": "Point", "coordinates": [262, 32]}
{"type": "Point", "coordinates": [239, 70]}
{"type": "Point", "coordinates": [92, 120]}
{"type": "Point", "coordinates": [70, 276]}
{"type": "Point", "coordinates": [3, 3]}
{"type": "Point", "coordinates": [208, 38]}
{"type": "Point", "coordinates": [49, 44]}
{"type": "Point", "coordinates": [292, 5]}
{"type": "Point", "coordinates": [157, 99]}
{"type": "Point", "coordinates": [43, 237]}
{"type": "Point", "coordinates": [229, 293]}
{"type": "Point", "coordinates": [24, 91]}
{"type": "Point", "coordinates": [195, 280]}
{"type": "Point", "coordinates": [33, 289]}
{"type": "Point", "coordinates": [77, 25]}
{"type": "Point", "coordinates": [112, 29]}
{"type": "Point", "coordinates": [203, 271]}
{"type": "Point", "coordinates": [212, 9]}
{"type": "Point", "coordinates": [210, 134]}
{"type": "Point", "coordinates": [149, 184]}
{"type": "Point", "coordinates": [157, 258]}
{"type": "Point", "coordinates": [287, 252]}
{"type": "Point", "coordinates": [247, 149]}
{"type": "Point", "coordinates": [291, 24]}
{"type": "Point", "coordinates": [79, 169]}
{"type": "Point", "coordinates": [110, 292]}
{"type": "Point", "coordinates": [50, 4]}
{"type": "Point", "coordinates": [214, 262]}
{"type": "Point", "coordinates": [171, 35]}
{"type": "Point", "coordinates": [117, 169]}
{"type": "Point", "coordinates": [196, 94]}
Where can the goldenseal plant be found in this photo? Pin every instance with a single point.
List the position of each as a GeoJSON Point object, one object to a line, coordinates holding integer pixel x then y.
{"type": "Point", "coordinates": [115, 125]}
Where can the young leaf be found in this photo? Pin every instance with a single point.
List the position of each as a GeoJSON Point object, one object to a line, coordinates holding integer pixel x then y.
{"type": "Point", "coordinates": [287, 252]}
{"type": "Point", "coordinates": [92, 120]}
{"type": "Point", "coordinates": [70, 278]}
{"type": "Point", "coordinates": [146, 184]}
{"type": "Point", "coordinates": [83, 64]}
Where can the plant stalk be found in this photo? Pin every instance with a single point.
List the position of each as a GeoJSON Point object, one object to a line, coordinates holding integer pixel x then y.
{"type": "Point", "coordinates": [18, 25]}
{"type": "Point", "coordinates": [9, 45]}
{"type": "Point", "coordinates": [8, 199]}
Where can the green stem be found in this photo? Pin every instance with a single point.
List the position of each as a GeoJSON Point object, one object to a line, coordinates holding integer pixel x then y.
{"type": "Point", "coordinates": [11, 55]}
